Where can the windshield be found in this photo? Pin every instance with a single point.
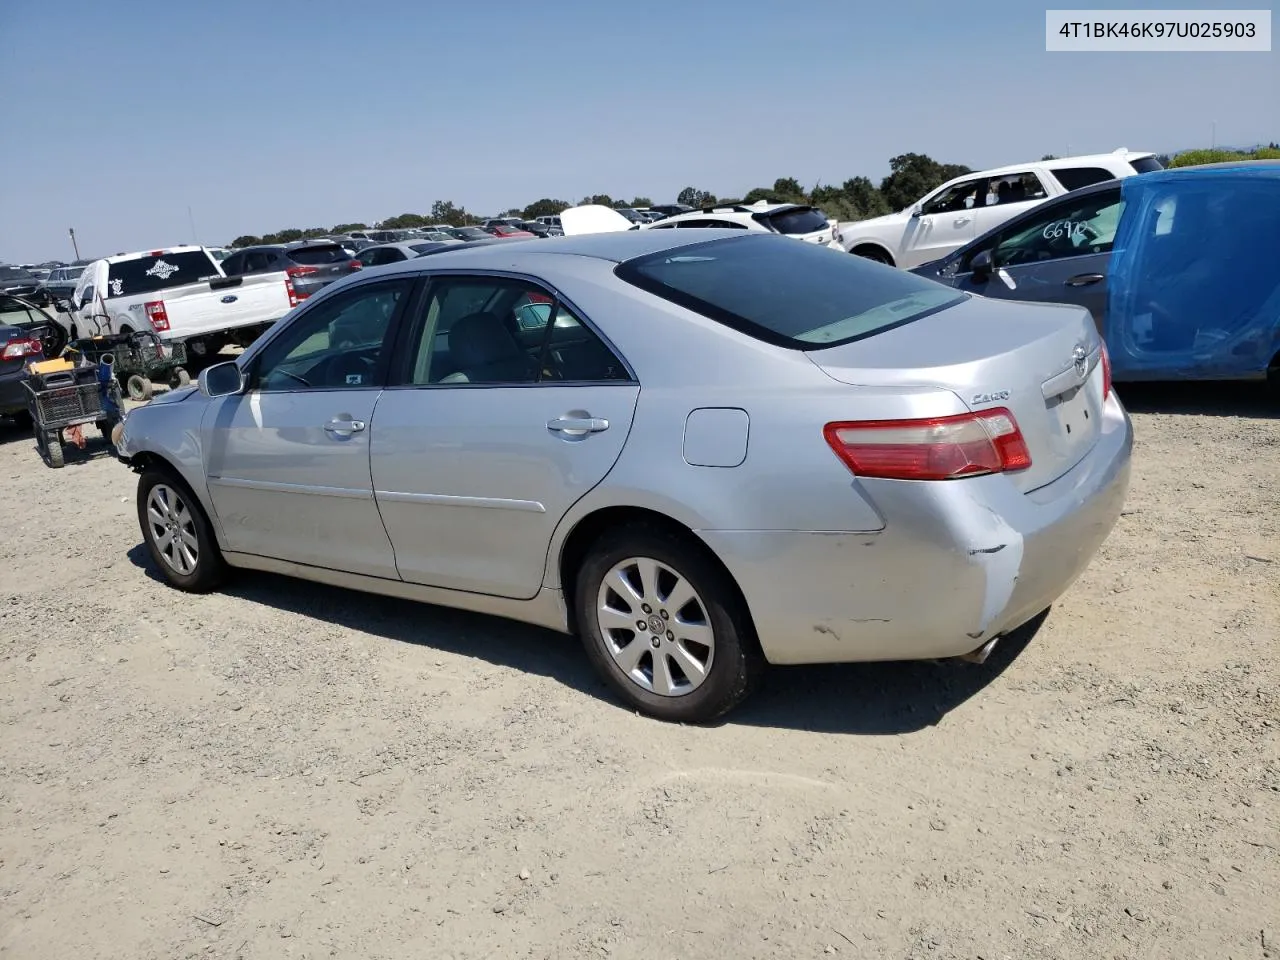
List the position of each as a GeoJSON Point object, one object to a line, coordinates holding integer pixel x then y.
{"type": "Point", "coordinates": [14, 273]}
{"type": "Point", "coordinates": [319, 255]}
{"type": "Point", "coordinates": [149, 274]}
{"type": "Point", "coordinates": [471, 233]}
{"type": "Point", "coordinates": [799, 295]}
{"type": "Point", "coordinates": [803, 220]}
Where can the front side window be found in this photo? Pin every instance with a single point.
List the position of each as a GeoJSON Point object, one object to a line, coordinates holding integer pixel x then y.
{"type": "Point", "coordinates": [798, 295]}
{"type": "Point", "coordinates": [1076, 228]}
{"type": "Point", "coordinates": [501, 331]}
{"type": "Point", "coordinates": [962, 196]}
{"type": "Point", "coordinates": [336, 344]}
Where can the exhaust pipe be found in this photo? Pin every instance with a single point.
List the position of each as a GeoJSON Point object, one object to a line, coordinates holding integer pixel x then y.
{"type": "Point", "coordinates": [980, 655]}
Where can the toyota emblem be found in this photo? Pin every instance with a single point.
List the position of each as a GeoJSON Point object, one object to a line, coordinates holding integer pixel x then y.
{"type": "Point", "coordinates": [1080, 359]}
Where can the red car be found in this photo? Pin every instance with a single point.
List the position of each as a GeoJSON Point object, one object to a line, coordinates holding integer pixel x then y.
{"type": "Point", "coordinates": [503, 230]}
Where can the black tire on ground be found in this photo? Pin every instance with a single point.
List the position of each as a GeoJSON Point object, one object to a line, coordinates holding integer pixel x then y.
{"type": "Point", "coordinates": [737, 663]}
{"type": "Point", "coordinates": [53, 449]}
{"type": "Point", "coordinates": [180, 377]}
{"type": "Point", "coordinates": [210, 569]}
{"type": "Point", "coordinates": [139, 387]}
{"type": "Point", "coordinates": [873, 253]}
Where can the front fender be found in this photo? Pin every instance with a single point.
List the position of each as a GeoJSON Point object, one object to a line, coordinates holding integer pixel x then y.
{"type": "Point", "coordinates": [169, 432]}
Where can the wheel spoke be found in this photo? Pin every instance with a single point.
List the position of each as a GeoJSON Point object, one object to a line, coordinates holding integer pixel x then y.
{"type": "Point", "coordinates": [187, 557]}
{"type": "Point", "coordinates": [699, 633]}
{"type": "Point", "coordinates": [163, 540]}
{"type": "Point", "coordinates": [623, 588]}
{"type": "Point", "coordinates": [613, 619]}
{"type": "Point", "coordinates": [679, 597]}
{"type": "Point", "coordinates": [648, 572]}
{"type": "Point", "coordinates": [155, 515]}
{"type": "Point", "coordinates": [189, 540]}
{"type": "Point", "coordinates": [662, 682]}
{"type": "Point", "coordinates": [692, 667]}
{"type": "Point", "coordinates": [628, 658]}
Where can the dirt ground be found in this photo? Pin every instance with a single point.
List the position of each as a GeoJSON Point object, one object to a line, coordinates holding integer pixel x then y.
{"type": "Point", "coordinates": [287, 770]}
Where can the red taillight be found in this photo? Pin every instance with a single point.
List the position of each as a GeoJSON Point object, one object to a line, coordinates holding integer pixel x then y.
{"type": "Point", "coordinates": [356, 265]}
{"type": "Point", "coordinates": [157, 314]}
{"type": "Point", "coordinates": [938, 448]}
{"type": "Point", "coordinates": [293, 294]}
{"type": "Point", "coordinates": [1106, 373]}
{"type": "Point", "coordinates": [300, 271]}
{"type": "Point", "coordinates": [17, 349]}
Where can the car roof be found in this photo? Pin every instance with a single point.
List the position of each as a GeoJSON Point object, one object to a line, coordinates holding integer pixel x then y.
{"type": "Point", "coordinates": [615, 247]}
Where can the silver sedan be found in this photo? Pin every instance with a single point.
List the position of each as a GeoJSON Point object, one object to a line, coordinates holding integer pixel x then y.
{"type": "Point", "coordinates": [703, 452]}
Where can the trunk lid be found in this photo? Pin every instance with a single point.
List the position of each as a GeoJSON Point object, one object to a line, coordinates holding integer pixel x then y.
{"type": "Point", "coordinates": [1041, 362]}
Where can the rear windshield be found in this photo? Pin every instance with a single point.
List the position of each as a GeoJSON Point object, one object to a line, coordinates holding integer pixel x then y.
{"type": "Point", "coordinates": [424, 247]}
{"type": "Point", "coordinates": [14, 273]}
{"type": "Point", "coordinates": [799, 295]}
{"type": "Point", "coordinates": [1146, 164]}
{"type": "Point", "coordinates": [804, 220]}
{"type": "Point", "coordinates": [149, 274]}
{"type": "Point", "coordinates": [471, 233]}
{"type": "Point", "coordinates": [319, 255]}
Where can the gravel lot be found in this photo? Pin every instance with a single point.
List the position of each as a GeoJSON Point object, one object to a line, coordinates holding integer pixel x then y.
{"type": "Point", "coordinates": [287, 770]}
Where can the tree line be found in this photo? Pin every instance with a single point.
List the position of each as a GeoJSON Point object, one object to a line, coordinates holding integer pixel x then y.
{"type": "Point", "coordinates": [911, 176]}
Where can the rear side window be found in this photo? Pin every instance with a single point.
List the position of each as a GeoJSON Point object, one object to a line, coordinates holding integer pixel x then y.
{"type": "Point", "coordinates": [798, 295]}
{"type": "Point", "coordinates": [1146, 165]}
{"type": "Point", "coordinates": [804, 220]}
{"type": "Point", "coordinates": [318, 256]}
{"type": "Point", "coordinates": [1073, 178]}
{"type": "Point", "coordinates": [149, 274]}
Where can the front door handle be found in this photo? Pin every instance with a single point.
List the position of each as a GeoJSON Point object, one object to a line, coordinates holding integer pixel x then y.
{"type": "Point", "coordinates": [344, 426]}
{"type": "Point", "coordinates": [1085, 279]}
{"type": "Point", "coordinates": [578, 426]}
{"type": "Point", "coordinates": [961, 221]}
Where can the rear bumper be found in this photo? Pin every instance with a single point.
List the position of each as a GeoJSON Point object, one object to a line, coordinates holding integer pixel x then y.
{"type": "Point", "coordinates": [956, 564]}
{"type": "Point", "coordinates": [13, 398]}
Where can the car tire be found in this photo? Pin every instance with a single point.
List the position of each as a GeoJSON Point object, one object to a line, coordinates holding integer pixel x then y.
{"type": "Point", "coordinates": [139, 387]}
{"type": "Point", "coordinates": [732, 661]}
{"type": "Point", "coordinates": [873, 253]}
{"type": "Point", "coordinates": [166, 505]}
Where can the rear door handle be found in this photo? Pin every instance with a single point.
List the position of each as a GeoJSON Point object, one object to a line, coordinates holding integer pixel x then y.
{"type": "Point", "coordinates": [343, 426]}
{"type": "Point", "coordinates": [578, 426]}
{"type": "Point", "coordinates": [1084, 279]}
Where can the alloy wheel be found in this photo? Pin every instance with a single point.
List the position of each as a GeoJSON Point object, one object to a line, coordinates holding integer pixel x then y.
{"type": "Point", "coordinates": [172, 528]}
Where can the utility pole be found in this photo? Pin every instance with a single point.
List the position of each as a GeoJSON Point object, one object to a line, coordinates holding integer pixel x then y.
{"type": "Point", "coordinates": [1213, 134]}
{"type": "Point", "coordinates": [192, 221]}
{"type": "Point", "coordinates": [74, 245]}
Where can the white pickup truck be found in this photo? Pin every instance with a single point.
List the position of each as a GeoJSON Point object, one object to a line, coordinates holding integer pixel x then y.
{"type": "Point", "coordinates": [180, 294]}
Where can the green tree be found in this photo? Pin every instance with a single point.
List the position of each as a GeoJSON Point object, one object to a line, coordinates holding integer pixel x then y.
{"type": "Point", "coordinates": [789, 187]}
{"type": "Point", "coordinates": [641, 202]}
{"type": "Point", "coordinates": [913, 175]}
{"type": "Point", "coordinates": [866, 199]}
{"type": "Point", "coordinates": [546, 207]}
{"type": "Point", "coordinates": [444, 211]}
{"type": "Point", "coordinates": [348, 227]}
{"type": "Point", "coordinates": [693, 197]}
{"type": "Point", "coordinates": [404, 221]}
{"type": "Point", "coordinates": [1049, 156]}
{"type": "Point", "coordinates": [248, 240]}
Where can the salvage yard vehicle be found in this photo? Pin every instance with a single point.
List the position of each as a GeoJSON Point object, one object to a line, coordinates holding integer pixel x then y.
{"type": "Point", "coordinates": [840, 462]}
{"type": "Point", "coordinates": [181, 294]}
{"type": "Point", "coordinates": [1177, 268]}
{"type": "Point", "coordinates": [795, 220]}
{"type": "Point", "coordinates": [18, 282]}
{"type": "Point", "coordinates": [968, 206]}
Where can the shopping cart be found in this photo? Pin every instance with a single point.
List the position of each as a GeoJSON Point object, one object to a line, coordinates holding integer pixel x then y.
{"type": "Point", "coordinates": [69, 398]}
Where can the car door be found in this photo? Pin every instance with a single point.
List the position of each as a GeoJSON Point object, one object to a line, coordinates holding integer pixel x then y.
{"type": "Point", "coordinates": [1057, 253]}
{"type": "Point", "coordinates": [944, 222]}
{"type": "Point", "coordinates": [499, 425]}
{"type": "Point", "coordinates": [287, 460]}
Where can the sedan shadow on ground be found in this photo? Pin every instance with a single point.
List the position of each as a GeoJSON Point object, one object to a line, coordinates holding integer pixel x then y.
{"type": "Point", "coordinates": [1226, 398]}
{"type": "Point", "coordinates": [871, 699]}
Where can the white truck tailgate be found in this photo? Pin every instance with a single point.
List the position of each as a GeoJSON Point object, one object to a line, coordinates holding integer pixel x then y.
{"type": "Point", "coordinates": [225, 304]}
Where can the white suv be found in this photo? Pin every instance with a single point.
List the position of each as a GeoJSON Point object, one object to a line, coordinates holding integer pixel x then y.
{"type": "Point", "coordinates": [968, 206]}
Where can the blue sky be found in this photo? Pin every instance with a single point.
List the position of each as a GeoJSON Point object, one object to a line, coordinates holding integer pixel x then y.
{"type": "Point", "coordinates": [265, 115]}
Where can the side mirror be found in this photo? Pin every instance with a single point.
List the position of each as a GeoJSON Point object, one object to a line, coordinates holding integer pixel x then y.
{"type": "Point", "coordinates": [981, 267]}
{"type": "Point", "coordinates": [221, 380]}
{"type": "Point", "coordinates": [915, 213]}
